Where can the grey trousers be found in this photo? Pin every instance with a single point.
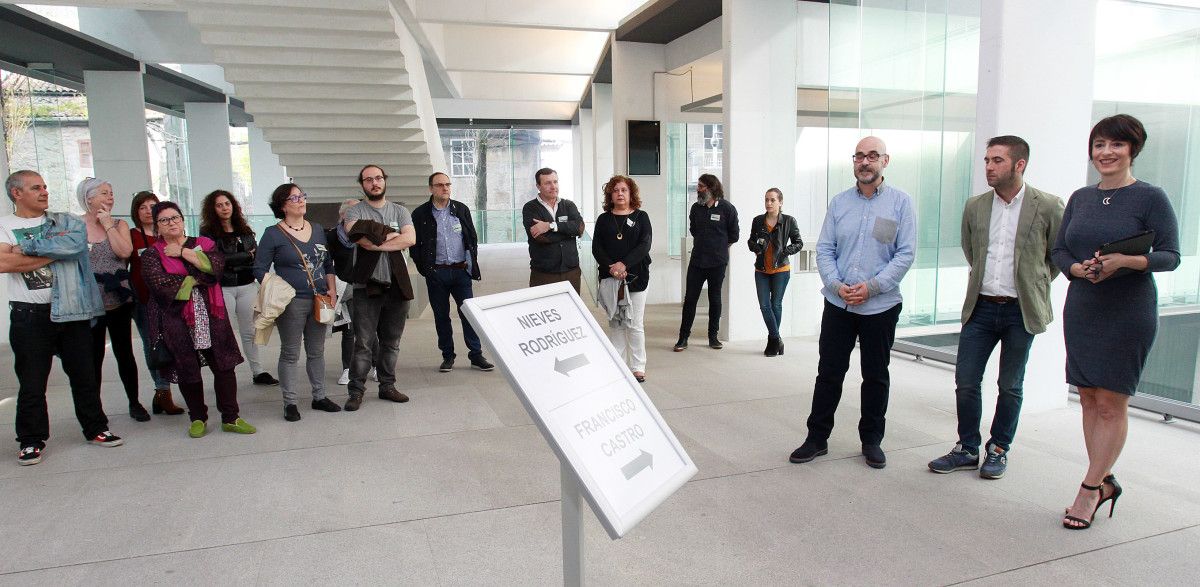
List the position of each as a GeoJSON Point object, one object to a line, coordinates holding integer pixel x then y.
{"type": "Point", "coordinates": [294, 324]}
{"type": "Point", "coordinates": [377, 320]}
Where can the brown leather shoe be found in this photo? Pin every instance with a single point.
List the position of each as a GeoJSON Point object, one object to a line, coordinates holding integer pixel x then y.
{"type": "Point", "coordinates": [354, 402]}
{"type": "Point", "coordinates": [393, 394]}
{"type": "Point", "coordinates": [163, 404]}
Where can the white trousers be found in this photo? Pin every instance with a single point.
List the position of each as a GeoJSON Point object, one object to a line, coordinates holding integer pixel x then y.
{"type": "Point", "coordinates": [239, 303]}
{"type": "Point", "coordinates": [630, 341]}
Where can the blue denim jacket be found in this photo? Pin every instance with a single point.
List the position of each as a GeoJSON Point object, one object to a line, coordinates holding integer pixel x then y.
{"type": "Point", "coordinates": [75, 295]}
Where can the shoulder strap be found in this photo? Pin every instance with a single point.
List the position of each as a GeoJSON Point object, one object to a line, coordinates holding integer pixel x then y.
{"type": "Point", "coordinates": [307, 271]}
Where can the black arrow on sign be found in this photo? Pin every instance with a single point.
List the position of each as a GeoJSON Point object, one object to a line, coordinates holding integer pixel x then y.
{"type": "Point", "coordinates": [565, 366]}
{"type": "Point", "coordinates": [637, 464]}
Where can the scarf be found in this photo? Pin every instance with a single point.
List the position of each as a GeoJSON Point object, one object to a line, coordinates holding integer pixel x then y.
{"type": "Point", "coordinates": [175, 266]}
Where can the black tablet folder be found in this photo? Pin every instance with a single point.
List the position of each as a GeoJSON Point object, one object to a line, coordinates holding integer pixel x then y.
{"type": "Point", "coordinates": [1138, 244]}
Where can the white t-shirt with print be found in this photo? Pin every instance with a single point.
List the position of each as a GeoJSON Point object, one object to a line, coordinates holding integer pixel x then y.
{"type": "Point", "coordinates": [32, 286]}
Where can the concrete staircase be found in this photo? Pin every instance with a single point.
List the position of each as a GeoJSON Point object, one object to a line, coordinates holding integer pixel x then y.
{"type": "Point", "coordinates": [328, 84]}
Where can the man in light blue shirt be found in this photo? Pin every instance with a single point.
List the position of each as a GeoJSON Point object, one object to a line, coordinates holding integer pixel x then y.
{"type": "Point", "coordinates": [867, 244]}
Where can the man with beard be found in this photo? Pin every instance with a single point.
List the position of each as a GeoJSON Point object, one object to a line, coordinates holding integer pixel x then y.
{"type": "Point", "coordinates": [867, 244]}
{"type": "Point", "coordinates": [382, 289]}
{"type": "Point", "coordinates": [713, 224]}
{"type": "Point", "coordinates": [1007, 234]}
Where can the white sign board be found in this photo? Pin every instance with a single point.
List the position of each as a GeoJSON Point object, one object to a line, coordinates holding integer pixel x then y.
{"type": "Point", "coordinates": [584, 399]}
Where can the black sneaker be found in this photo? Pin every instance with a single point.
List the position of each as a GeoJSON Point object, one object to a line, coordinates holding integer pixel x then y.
{"type": "Point", "coordinates": [808, 451]}
{"type": "Point", "coordinates": [106, 438]}
{"type": "Point", "coordinates": [482, 364]}
{"type": "Point", "coordinates": [446, 366]}
{"type": "Point", "coordinates": [291, 413]}
{"type": "Point", "coordinates": [874, 456]}
{"type": "Point", "coordinates": [681, 344]}
{"type": "Point", "coordinates": [958, 459]}
{"type": "Point", "coordinates": [265, 378]}
{"type": "Point", "coordinates": [715, 343]}
{"type": "Point", "coordinates": [325, 405]}
{"type": "Point", "coordinates": [30, 455]}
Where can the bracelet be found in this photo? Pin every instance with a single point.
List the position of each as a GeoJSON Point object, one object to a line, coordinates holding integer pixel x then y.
{"type": "Point", "coordinates": [110, 228]}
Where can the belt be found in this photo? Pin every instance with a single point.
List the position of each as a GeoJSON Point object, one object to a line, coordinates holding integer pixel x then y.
{"type": "Point", "coordinates": [462, 265]}
{"type": "Point", "coordinates": [997, 299]}
{"type": "Point", "coordinates": [29, 306]}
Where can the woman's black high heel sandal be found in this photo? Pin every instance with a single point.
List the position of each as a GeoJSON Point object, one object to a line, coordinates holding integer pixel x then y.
{"type": "Point", "coordinates": [1084, 524]}
{"type": "Point", "coordinates": [1117, 491]}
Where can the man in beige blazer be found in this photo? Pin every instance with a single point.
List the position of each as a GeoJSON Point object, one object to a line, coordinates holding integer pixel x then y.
{"type": "Point", "coordinates": [1007, 234]}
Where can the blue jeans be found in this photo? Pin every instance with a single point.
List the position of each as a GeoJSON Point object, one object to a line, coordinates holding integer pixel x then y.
{"type": "Point", "coordinates": [442, 285]}
{"type": "Point", "coordinates": [991, 323]}
{"type": "Point", "coordinates": [770, 298]}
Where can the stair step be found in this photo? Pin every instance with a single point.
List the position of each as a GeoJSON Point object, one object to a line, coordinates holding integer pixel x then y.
{"type": "Point", "coordinates": [324, 58]}
{"type": "Point", "coordinates": [366, 107]}
{"type": "Point", "coordinates": [266, 18]}
{"type": "Point", "coordinates": [306, 40]}
{"type": "Point", "coordinates": [315, 75]}
{"type": "Point", "coordinates": [399, 136]}
{"type": "Point", "coordinates": [322, 146]}
{"type": "Point", "coordinates": [383, 122]}
{"type": "Point", "coordinates": [375, 6]}
{"type": "Point", "coordinates": [251, 90]}
{"type": "Point", "coordinates": [391, 162]}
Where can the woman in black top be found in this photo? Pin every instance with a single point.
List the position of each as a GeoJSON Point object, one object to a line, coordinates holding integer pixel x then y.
{"type": "Point", "coordinates": [621, 245]}
{"type": "Point", "coordinates": [222, 221]}
{"type": "Point", "coordinates": [1111, 313]}
{"type": "Point", "coordinates": [774, 237]}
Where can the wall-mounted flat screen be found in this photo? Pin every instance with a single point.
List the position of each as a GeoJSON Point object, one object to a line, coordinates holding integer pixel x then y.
{"type": "Point", "coordinates": [644, 149]}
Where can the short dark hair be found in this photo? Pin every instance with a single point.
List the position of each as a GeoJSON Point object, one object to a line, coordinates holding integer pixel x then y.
{"type": "Point", "coordinates": [435, 174]}
{"type": "Point", "coordinates": [1017, 147]}
{"type": "Point", "coordinates": [368, 166]}
{"type": "Point", "coordinates": [279, 198]}
{"type": "Point", "coordinates": [537, 177]}
{"type": "Point", "coordinates": [139, 199]}
{"type": "Point", "coordinates": [209, 223]}
{"type": "Point", "coordinates": [164, 205]}
{"type": "Point", "coordinates": [1120, 127]}
{"type": "Point", "coordinates": [635, 199]}
{"type": "Point", "coordinates": [713, 184]}
{"type": "Point", "coordinates": [778, 193]}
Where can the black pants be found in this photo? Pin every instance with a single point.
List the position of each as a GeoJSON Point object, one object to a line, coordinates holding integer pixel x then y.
{"type": "Point", "coordinates": [35, 340]}
{"type": "Point", "coordinates": [225, 390]}
{"type": "Point", "coordinates": [696, 276]}
{"type": "Point", "coordinates": [116, 323]}
{"type": "Point", "coordinates": [875, 334]}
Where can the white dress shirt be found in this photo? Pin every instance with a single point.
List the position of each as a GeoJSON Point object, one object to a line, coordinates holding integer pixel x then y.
{"type": "Point", "coordinates": [554, 212]}
{"type": "Point", "coordinates": [999, 273]}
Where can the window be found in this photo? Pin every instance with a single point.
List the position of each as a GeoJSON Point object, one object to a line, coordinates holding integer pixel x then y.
{"type": "Point", "coordinates": [462, 157]}
{"type": "Point", "coordinates": [713, 141]}
{"type": "Point", "coordinates": [85, 153]}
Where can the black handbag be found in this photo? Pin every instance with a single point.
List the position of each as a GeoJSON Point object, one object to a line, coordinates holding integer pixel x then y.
{"type": "Point", "coordinates": [160, 355]}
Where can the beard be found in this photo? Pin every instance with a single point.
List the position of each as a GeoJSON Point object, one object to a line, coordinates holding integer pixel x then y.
{"type": "Point", "coordinates": [375, 197]}
{"type": "Point", "coordinates": [703, 197]}
{"type": "Point", "coordinates": [870, 179]}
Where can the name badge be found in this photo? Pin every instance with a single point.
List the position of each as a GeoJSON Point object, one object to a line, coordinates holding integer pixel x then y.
{"type": "Point", "coordinates": [457, 228]}
{"type": "Point", "coordinates": [562, 218]}
{"type": "Point", "coordinates": [395, 226]}
{"type": "Point", "coordinates": [714, 217]}
{"type": "Point", "coordinates": [629, 221]}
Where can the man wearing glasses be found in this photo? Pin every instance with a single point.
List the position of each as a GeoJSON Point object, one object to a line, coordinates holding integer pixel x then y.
{"type": "Point", "coordinates": [447, 254]}
{"type": "Point", "coordinates": [867, 244]}
{"type": "Point", "coordinates": [54, 297]}
{"type": "Point", "coordinates": [382, 289]}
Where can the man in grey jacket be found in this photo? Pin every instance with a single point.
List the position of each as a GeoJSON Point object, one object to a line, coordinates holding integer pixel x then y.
{"type": "Point", "coordinates": [54, 297]}
{"type": "Point", "coordinates": [1007, 234]}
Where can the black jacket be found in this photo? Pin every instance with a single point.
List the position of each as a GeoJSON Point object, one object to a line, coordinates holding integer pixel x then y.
{"type": "Point", "coordinates": [555, 251]}
{"type": "Point", "coordinates": [633, 248]}
{"type": "Point", "coordinates": [343, 256]}
{"type": "Point", "coordinates": [239, 257]}
{"type": "Point", "coordinates": [365, 263]}
{"type": "Point", "coordinates": [424, 252]}
{"type": "Point", "coordinates": [713, 230]}
{"type": "Point", "coordinates": [786, 230]}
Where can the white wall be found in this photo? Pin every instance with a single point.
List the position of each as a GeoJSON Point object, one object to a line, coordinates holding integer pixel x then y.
{"type": "Point", "coordinates": [117, 122]}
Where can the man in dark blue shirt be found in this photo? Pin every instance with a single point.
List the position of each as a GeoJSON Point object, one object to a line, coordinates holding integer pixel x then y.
{"type": "Point", "coordinates": [713, 223]}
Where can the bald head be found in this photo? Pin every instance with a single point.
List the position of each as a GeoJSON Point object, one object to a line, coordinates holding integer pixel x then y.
{"type": "Point", "coordinates": [869, 144]}
{"type": "Point", "coordinates": [870, 157]}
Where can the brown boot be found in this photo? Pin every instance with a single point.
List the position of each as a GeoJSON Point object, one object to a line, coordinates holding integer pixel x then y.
{"type": "Point", "coordinates": [163, 404]}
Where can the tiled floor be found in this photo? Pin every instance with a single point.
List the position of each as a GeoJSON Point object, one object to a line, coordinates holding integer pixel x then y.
{"type": "Point", "coordinates": [457, 487]}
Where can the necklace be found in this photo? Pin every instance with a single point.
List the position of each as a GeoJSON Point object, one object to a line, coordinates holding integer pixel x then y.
{"type": "Point", "coordinates": [620, 230]}
{"type": "Point", "coordinates": [1107, 199]}
{"type": "Point", "coordinates": [293, 227]}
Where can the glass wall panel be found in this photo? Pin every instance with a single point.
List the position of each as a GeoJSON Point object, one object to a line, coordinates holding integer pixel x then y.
{"type": "Point", "coordinates": [46, 130]}
{"type": "Point", "coordinates": [693, 150]}
{"type": "Point", "coordinates": [1148, 66]}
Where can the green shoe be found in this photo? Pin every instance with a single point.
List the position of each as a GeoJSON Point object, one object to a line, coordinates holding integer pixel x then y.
{"type": "Point", "coordinates": [240, 426]}
{"type": "Point", "coordinates": [197, 429]}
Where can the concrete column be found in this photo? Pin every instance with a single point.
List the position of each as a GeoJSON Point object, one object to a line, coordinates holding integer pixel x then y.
{"type": "Point", "coordinates": [602, 146]}
{"type": "Point", "coordinates": [209, 157]}
{"type": "Point", "coordinates": [585, 186]}
{"type": "Point", "coordinates": [117, 123]}
{"type": "Point", "coordinates": [5, 203]}
{"type": "Point", "coordinates": [1015, 36]}
{"type": "Point", "coordinates": [265, 172]}
{"type": "Point", "coordinates": [761, 49]}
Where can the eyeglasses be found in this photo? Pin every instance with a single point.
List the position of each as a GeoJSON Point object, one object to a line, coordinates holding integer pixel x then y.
{"type": "Point", "coordinates": [872, 157]}
{"type": "Point", "coordinates": [374, 179]}
{"type": "Point", "coordinates": [442, 185]}
{"type": "Point", "coordinates": [169, 220]}
{"type": "Point", "coordinates": [297, 198]}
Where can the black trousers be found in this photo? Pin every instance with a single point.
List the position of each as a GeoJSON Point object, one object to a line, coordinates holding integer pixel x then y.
{"type": "Point", "coordinates": [875, 334]}
{"type": "Point", "coordinates": [116, 324]}
{"type": "Point", "coordinates": [696, 276]}
{"type": "Point", "coordinates": [35, 340]}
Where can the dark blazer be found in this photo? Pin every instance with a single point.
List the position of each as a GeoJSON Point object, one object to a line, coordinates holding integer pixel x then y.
{"type": "Point", "coordinates": [632, 249]}
{"type": "Point", "coordinates": [1037, 227]}
{"type": "Point", "coordinates": [365, 262]}
{"type": "Point", "coordinates": [786, 231]}
{"type": "Point", "coordinates": [553, 252]}
{"type": "Point", "coordinates": [239, 257]}
{"type": "Point", "coordinates": [424, 252]}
